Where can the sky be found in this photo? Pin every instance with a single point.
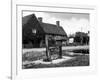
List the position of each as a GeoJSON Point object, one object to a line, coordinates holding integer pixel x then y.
{"type": "Point", "coordinates": [71, 22]}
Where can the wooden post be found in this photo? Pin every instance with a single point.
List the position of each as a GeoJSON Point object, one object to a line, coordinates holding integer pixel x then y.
{"type": "Point", "coordinates": [60, 50]}
{"type": "Point", "coordinates": [47, 48]}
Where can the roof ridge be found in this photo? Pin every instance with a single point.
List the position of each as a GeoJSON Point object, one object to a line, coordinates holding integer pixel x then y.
{"type": "Point", "coordinates": [50, 24]}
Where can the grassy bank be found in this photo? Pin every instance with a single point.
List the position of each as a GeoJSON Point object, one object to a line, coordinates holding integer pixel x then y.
{"type": "Point", "coordinates": [82, 60]}
{"type": "Point", "coordinates": [79, 60]}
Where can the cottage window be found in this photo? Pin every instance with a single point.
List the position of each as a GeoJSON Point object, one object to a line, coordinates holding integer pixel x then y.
{"type": "Point", "coordinates": [34, 31]}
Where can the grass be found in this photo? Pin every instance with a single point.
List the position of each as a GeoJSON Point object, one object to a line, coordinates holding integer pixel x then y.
{"type": "Point", "coordinates": [79, 60]}
{"type": "Point", "coordinates": [33, 55]}
{"type": "Point", "coordinates": [84, 51]}
{"type": "Point", "coordinates": [82, 60]}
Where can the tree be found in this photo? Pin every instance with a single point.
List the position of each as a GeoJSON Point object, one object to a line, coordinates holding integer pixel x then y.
{"type": "Point", "coordinates": [81, 38]}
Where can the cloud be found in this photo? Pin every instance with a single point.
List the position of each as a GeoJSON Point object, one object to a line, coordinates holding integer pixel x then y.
{"type": "Point", "coordinates": [71, 22]}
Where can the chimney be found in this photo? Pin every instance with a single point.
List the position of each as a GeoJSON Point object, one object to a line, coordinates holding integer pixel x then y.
{"type": "Point", "coordinates": [58, 23]}
{"type": "Point", "coordinates": [40, 19]}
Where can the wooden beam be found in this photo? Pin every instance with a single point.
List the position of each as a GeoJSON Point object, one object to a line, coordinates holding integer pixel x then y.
{"type": "Point", "coordinates": [47, 48]}
{"type": "Point", "coordinates": [60, 50]}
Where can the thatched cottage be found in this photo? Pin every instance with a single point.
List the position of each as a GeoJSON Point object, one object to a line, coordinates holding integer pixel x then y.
{"type": "Point", "coordinates": [36, 33]}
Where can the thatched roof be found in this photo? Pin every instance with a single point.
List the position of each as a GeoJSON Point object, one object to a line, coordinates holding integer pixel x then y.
{"type": "Point", "coordinates": [46, 27]}
{"type": "Point", "coordinates": [26, 19]}
{"type": "Point", "coordinates": [52, 29]}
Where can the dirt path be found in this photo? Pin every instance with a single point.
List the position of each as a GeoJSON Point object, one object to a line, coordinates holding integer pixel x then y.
{"type": "Point", "coordinates": [64, 48]}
